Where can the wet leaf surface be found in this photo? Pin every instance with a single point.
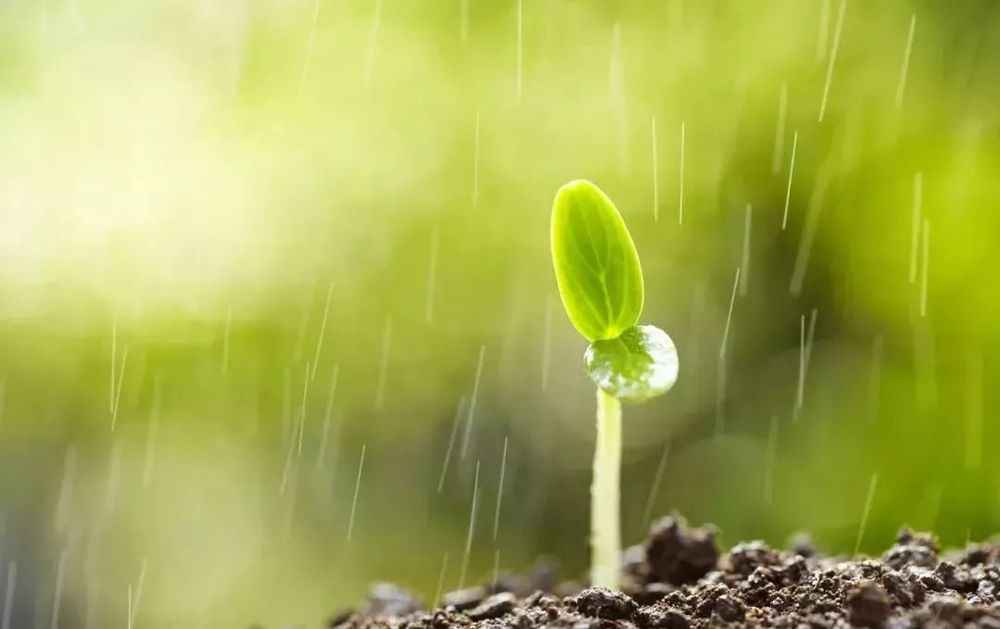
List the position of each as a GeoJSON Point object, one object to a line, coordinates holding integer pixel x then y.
{"type": "Point", "coordinates": [596, 264]}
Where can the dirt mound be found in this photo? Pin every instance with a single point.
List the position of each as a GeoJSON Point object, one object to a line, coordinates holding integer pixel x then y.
{"type": "Point", "coordinates": [678, 580]}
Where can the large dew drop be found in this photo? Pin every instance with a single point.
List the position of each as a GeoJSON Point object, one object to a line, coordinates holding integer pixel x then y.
{"type": "Point", "coordinates": [638, 365]}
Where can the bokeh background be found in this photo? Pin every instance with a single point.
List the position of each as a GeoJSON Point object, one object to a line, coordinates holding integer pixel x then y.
{"type": "Point", "coordinates": [245, 243]}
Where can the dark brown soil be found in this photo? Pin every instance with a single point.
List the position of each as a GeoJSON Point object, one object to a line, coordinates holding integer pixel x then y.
{"type": "Point", "coordinates": [678, 579]}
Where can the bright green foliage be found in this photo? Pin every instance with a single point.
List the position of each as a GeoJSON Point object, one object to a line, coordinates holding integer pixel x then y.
{"type": "Point", "coordinates": [597, 267]}
{"type": "Point", "coordinates": [638, 365]}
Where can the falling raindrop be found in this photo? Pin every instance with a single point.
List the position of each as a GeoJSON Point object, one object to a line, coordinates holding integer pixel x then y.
{"type": "Point", "coordinates": [809, 232]}
{"type": "Point", "coordinates": [304, 409]}
{"type": "Point", "coordinates": [905, 67]}
{"type": "Point", "coordinates": [327, 416]}
{"type": "Point", "coordinates": [745, 261]}
{"type": "Point", "coordinates": [451, 442]}
{"type": "Point", "coordinates": [654, 489]}
{"type": "Point", "coordinates": [440, 583]}
{"type": "Point", "coordinates": [503, 469]}
{"type": "Point", "coordinates": [57, 595]}
{"type": "Point", "coordinates": [833, 58]}
{"type": "Point", "coordinates": [474, 508]}
{"type": "Point", "coordinates": [721, 370]}
{"type": "Point", "coordinates": [729, 315]}
{"type": "Point", "coordinates": [118, 389]}
{"type": "Point", "coordinates": [791, 173]}
{"type": "Point", "coordinates": [357, 490]}
{"type": "Point", "coordinates": [805, 353]}
{"type": "Point", "coordinates": [140, 582]}
{"type": "Point", "coordinates": [867, 510]}
{"type": "Point", "coordinates": [373, 43]}
{"type": "Point", "coordinates": [322, 331]}
{"type": "Point", "coordinates": [467, 437]}
{"type": "Point", "coordinates": [8, 601]}
{"type": "Point", "coordinates": [496, 568]}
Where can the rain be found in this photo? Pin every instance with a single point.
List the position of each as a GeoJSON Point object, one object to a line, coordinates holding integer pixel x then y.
{"type": "Point", "coordinates": [278, 317]}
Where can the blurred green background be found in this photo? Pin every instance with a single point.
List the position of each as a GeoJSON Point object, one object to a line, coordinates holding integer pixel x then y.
{"type": "Point", "coordinates": [240, 241]}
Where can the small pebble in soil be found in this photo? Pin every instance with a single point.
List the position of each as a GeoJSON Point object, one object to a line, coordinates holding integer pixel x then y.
{"type": "Point", "coordinates": [868, 605]}
{"type": "Point", "coordinates": [729, 609]}
{"type": "Point", "coordinates": [747, 557]}
{"type": "Point", "coordinates": [600, 602]}
{"type": "Point", "coordinates": [662, 617]}
{"type": "Point", "coordinates": [912, 549]}
{"type": "Point", "coordinates": [678, 555]}
{"type": "Point", "coordinates": [493, 607]}
{"type": "Point", "coordinates": [464, 599]}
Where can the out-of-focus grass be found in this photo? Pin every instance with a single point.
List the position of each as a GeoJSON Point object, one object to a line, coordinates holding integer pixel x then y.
{"type": "Point", "coordinates": [171, 166]}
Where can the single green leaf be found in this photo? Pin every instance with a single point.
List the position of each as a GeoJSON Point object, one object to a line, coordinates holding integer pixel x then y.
{"type": "Point", "coordinates": [638, 365]}
{"type": "Point", "coordinates": [597, 267]}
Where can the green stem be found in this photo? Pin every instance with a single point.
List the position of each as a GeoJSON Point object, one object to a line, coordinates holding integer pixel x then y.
{"type": "Point", "coordinates": [604, 491]}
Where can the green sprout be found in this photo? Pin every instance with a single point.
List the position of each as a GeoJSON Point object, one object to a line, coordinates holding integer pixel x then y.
{"type": "Point", "coordinates": [600, 283]}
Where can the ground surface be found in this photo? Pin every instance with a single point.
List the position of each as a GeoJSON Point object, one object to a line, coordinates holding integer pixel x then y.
{"type": "Point", "coordinates": [678, 579]}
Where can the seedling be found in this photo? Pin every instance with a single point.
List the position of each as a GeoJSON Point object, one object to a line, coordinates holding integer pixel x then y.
{"type": "Point", "coordinates": [600, 283]}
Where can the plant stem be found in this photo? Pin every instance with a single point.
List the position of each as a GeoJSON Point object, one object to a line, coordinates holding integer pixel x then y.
{"type": "Point", "coordinates": [604, 491]}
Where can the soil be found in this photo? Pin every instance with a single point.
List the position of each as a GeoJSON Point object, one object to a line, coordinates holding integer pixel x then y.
{"type": "Point", "coordinates": [678, 579]}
